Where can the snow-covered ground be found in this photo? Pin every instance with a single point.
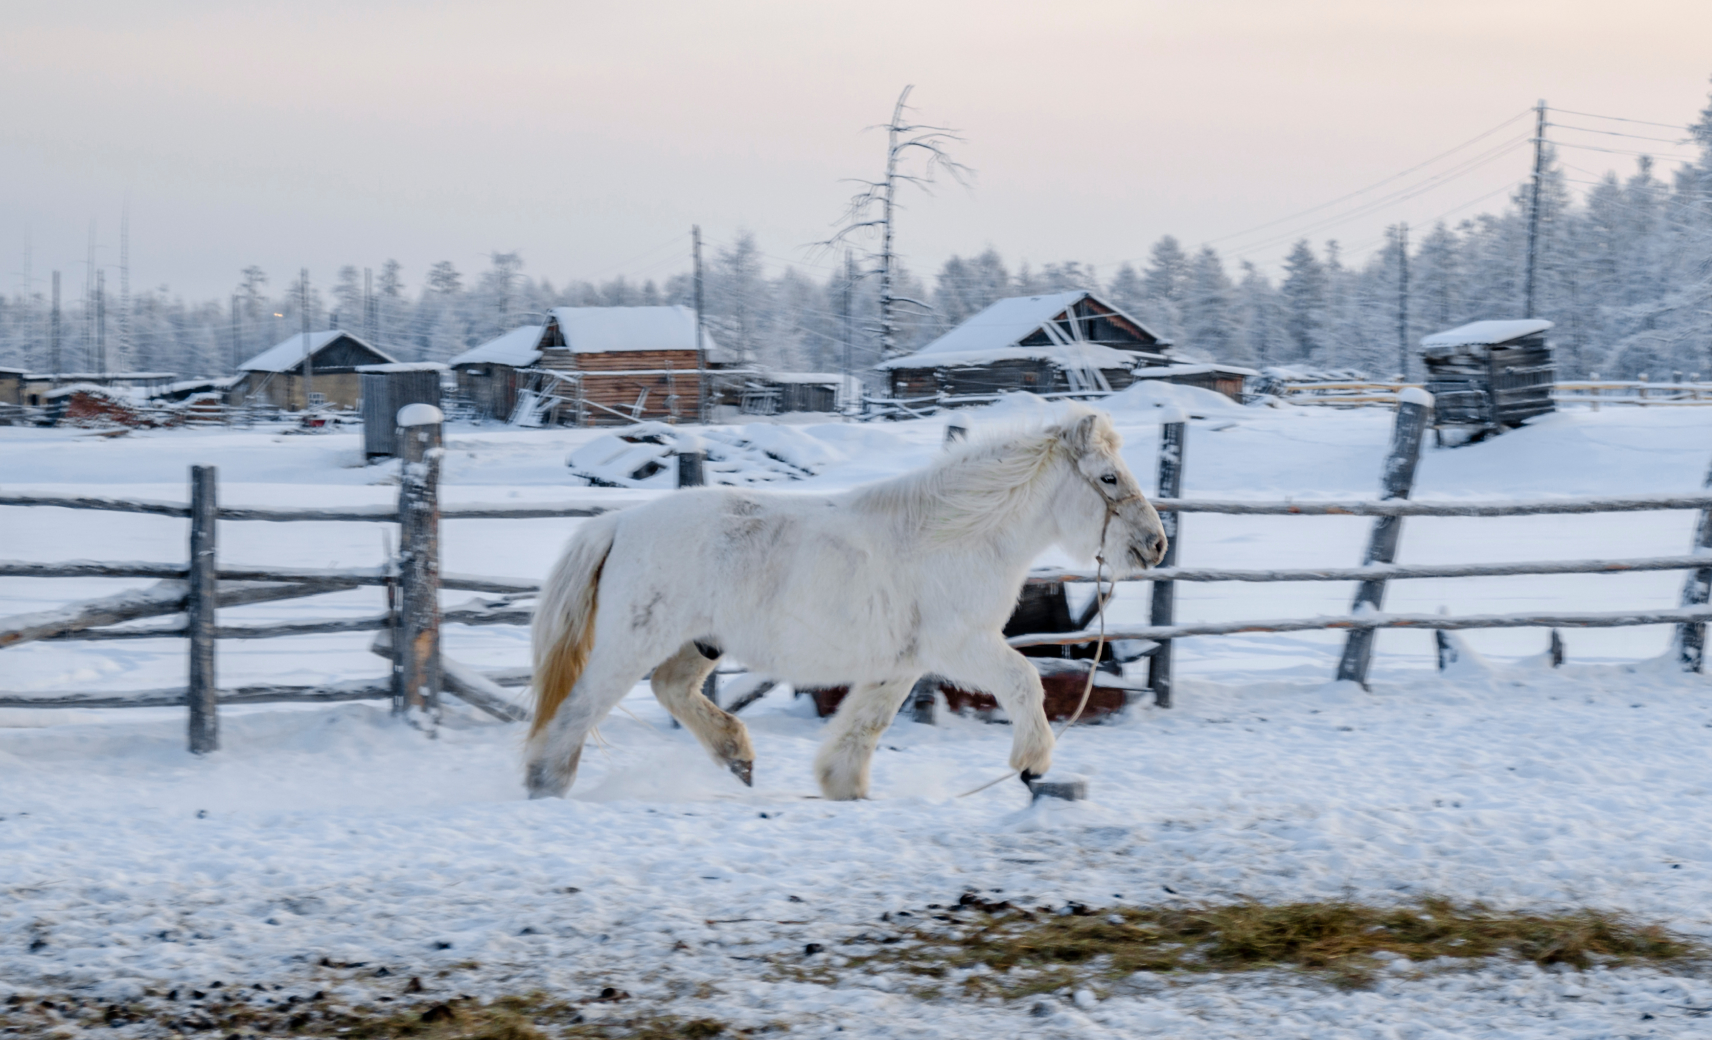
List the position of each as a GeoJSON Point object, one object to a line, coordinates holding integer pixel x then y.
{"type": "Point", "coordinates": [331, 832]}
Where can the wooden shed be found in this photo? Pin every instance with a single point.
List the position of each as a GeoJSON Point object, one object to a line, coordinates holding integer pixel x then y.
{"type": "Point", "coordinates": [1487, 376]}
{"type": "Point", "coordinates": [386, 389]}
{"type": "Point", "coordinates": [593, 366]}
{"type": "Point", "coordinates": [12, 385]}
{"type": "Point", "coordinates": [276, 375]}
{"type": "Point", "coordinates": [775, 393]}
{"type": "Point", "coordinates": [1055, 343]}
{"type": "Point", "coordinates": [1229, 380]}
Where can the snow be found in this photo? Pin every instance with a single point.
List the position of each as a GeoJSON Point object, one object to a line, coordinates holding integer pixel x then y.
{"type": "Point", "coordinates": [517, 348]}
{"type": "Point", "coordinates": [332, 831]}
{"type": "Point", "coordinates": [288, 354]}
{"type": "Point", "coordinates": [992, 334]}
{"type": "Point", "coordinates": [406, 366]}
{"type": "Point", "coordinates": [1486, 333]}
{"type": "Point", "coordinates": [1142, 395]}
{"type": "Point", "coordinates": [1191, 369]}
{"type": "Point", "coordinates": [1415, 395]}
{"type": "Point", "coordinates": [599, 330]}
{"type": "Point", "coordinates": [420, 415]}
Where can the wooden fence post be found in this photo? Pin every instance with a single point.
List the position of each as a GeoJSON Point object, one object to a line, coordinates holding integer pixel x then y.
{"type": "Point", "coordinates": [1691, 636]}
{"type": "Point", "coordinates": [690, 472]}
{"type": "Point", "coordinates": [1173, 438]}
{"type": "Point", "coordinates": [418, 650]}
{"type": "Point", "coordinates": [1414, 414]}
{"type": "Point", "coordinates": [202, 695]}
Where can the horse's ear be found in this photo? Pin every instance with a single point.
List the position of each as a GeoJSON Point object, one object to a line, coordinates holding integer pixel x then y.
{"type": "Point", "coordinates": [1083, 435]}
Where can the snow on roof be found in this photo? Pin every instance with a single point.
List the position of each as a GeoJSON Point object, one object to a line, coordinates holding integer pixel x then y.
{"type": "Point", "coordinates": [517, 348]}
{"type": "Point", "coordinates": [1167, 371]}
{"type": "Point", "coordinates": [1486, 333]}
{"type": "Point", "coordinates": [12, 371]}
{"type": "Point", "coordinates": [286, 355]}
{"type": "Point", "coordinates": [405, 366]}
{"type": "Point", "coordinates": [993, 334]}
{"type": "Point", "coordinates": [601, 330]}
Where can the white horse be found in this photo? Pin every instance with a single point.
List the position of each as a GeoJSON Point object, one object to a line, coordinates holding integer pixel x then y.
{"type": "Point", "coordinates": [870, 588]}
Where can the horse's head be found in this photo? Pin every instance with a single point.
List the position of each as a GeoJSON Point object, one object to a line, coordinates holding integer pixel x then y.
{"type": "Point", "coordinates": [1102, 511]}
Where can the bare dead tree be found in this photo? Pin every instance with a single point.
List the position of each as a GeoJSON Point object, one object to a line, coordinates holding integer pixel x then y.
{"type": "Point", "coordinates": [903, 140]}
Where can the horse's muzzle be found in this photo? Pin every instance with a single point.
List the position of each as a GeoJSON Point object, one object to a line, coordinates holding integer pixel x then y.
{"type": "Point", "coordinates": [1148, 552]}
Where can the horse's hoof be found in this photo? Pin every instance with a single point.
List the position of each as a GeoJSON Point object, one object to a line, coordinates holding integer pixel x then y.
{"type": "Point", "coordinates": [742, 770]}
{"type": "Point", "coordinates": [1028, 777]}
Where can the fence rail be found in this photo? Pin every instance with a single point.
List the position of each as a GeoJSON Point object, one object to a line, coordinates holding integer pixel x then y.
{"type": "Point", "coordinates": [187, 595]}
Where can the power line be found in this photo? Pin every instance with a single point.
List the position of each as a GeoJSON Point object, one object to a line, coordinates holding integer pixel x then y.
{"type": "Point", "coordinates": [1377, 184]}
{"type": "Point", "coordinates": [1619, 133]}
{"type": "Point", "coordinates": [1402, 195]}
{"type": "Point", "coordinates": [1621, 119]}
{"type": "Point", "coordinates": [1621, 151]}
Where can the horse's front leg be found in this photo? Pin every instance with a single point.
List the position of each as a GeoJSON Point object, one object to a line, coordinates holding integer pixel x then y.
{"type": "Point", "coordinates": [845, 755]}
{"type": "Point", "coordinates": [992, 666]}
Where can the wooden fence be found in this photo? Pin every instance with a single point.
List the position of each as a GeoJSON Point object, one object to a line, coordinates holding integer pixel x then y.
{"type": "Point", "coordinates": [189, 595]}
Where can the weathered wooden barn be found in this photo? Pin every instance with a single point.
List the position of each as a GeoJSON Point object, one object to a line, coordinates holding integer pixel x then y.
{"type": "Point", "coordinates": [1229, 380]}
{"type": "Point", "coordinates": [775, 393]}
{"type": "Point", "coordinates": [37, 384]}
{"type": "Point", "coordinates": [1489, 375]}
{"type": "Point", "coordinates": [276, 375]}
{"type": "Point", "coordinates": [594, 366]}
{"type": "Point", "coordinates": [1055, 343]}
{"type": "Point", "coordinates": [12, 385]}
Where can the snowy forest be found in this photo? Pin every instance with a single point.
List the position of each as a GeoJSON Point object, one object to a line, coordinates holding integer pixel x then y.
{"type": "Point", "coordinates": [1625, 271]}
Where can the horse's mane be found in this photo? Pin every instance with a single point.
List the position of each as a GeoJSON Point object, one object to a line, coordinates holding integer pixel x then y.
{"type": "Point", "coordinates": [975, 489]}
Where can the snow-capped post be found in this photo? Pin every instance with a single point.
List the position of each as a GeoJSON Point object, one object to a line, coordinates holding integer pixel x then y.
{"type": "Point", "coordinates": [1691, 637]}
{"type": "Point", "coordinates": [1414, 415]}
{"type": "Point", "coordinates": [201, 695]}
{"type": "Point", "coordinates": [956, 429]}
{"type": "Point", "coordinates": [692, 455]}
{"type": "Point", "coordinates": [418, 647]}
{"type": "Point", "coordinates": [1173, 438]}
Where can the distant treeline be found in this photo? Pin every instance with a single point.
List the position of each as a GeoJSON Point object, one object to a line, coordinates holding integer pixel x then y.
{"type": "Point", "coordinates": [1625, 270]}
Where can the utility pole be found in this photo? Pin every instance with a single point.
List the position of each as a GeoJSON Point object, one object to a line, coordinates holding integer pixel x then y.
{"type": "Point", "coordinates": [53, 340]}
{"type": "Point", "coordinates": [89, 304]}
{"type": "Point", "coordinates": [308, 356]}
{"type": "Point", "coordinates": [369, 307]}
{"type": "Point", "coordinates": [1403, 302]}
{"type": "Point", "coordinates": [849, 315]}
{"type": "Point", "coordinates": [124, 352]}
{"type": "Point", "coordinates": [1534, 204]}
{"type": "Point", "coordinates": [701, 351]}
{"type": "Point", "coordinates": [237, 343]}
{"type": "Point", "coordinates": [101, 322]}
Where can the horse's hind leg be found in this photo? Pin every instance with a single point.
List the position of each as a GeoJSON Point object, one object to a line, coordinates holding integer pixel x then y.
{"type": "Point", "coordinates": [845, 755]}
{"type": "Point", "coordinates": [553, 756]}
{"type": "Point", "coordinates": [677, 683]}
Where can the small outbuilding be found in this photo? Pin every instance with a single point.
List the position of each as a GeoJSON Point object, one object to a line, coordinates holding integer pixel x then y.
{"type": "Point", "coordinates": [775, 393]}
{"type": "Point", "coordinates": [1230, 380]}
{"type": "Point", "coordinates": [1487, 376]}
{"type": "Point", "coordinates": [12, 385]}
{"type": "Point", "coordinates": [595, 366]}
{"type": "Point", "coordinates": [1055, 343]}
{"type": "Point", "coordinates": [276, 376]}
{"type": "Point", "coordinates": [386, 389]}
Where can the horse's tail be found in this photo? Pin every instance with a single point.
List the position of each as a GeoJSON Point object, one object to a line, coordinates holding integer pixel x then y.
{"type": "Point", "coordinates": [563, 632]}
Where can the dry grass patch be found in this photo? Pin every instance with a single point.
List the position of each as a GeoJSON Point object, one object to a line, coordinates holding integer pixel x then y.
{"type": "Point", "coordinates": [1000, 949]}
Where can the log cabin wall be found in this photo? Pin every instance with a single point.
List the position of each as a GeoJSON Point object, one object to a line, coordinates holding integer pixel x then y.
{"type": "Point", "coordinates": [617, 379]}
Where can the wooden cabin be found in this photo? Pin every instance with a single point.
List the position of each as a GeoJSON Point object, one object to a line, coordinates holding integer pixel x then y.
{"type": "Point", "coordinates": [12, 385]}
{"type": "Point", "coordinates": [1229, 380]}
{"type": "Point", "coordinates": [593, 366]}
{"type": "Point", "coordinates": [36, 385]}
{"type": "Point", "coordinates": [1487, 376]}
{"type": "Point", "coordinates": [775, 393]}
{"type": "Point", "coordinates": [1055, 343]}
{"type": "Point", "coordinates": [276, 377]}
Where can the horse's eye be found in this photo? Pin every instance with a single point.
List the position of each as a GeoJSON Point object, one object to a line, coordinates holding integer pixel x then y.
{"type": "Point", "coordinates": [1109, 478]}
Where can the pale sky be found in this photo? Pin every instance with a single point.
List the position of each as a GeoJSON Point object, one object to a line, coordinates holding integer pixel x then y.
{"type": "Point", "coordinates": [591, 136]}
